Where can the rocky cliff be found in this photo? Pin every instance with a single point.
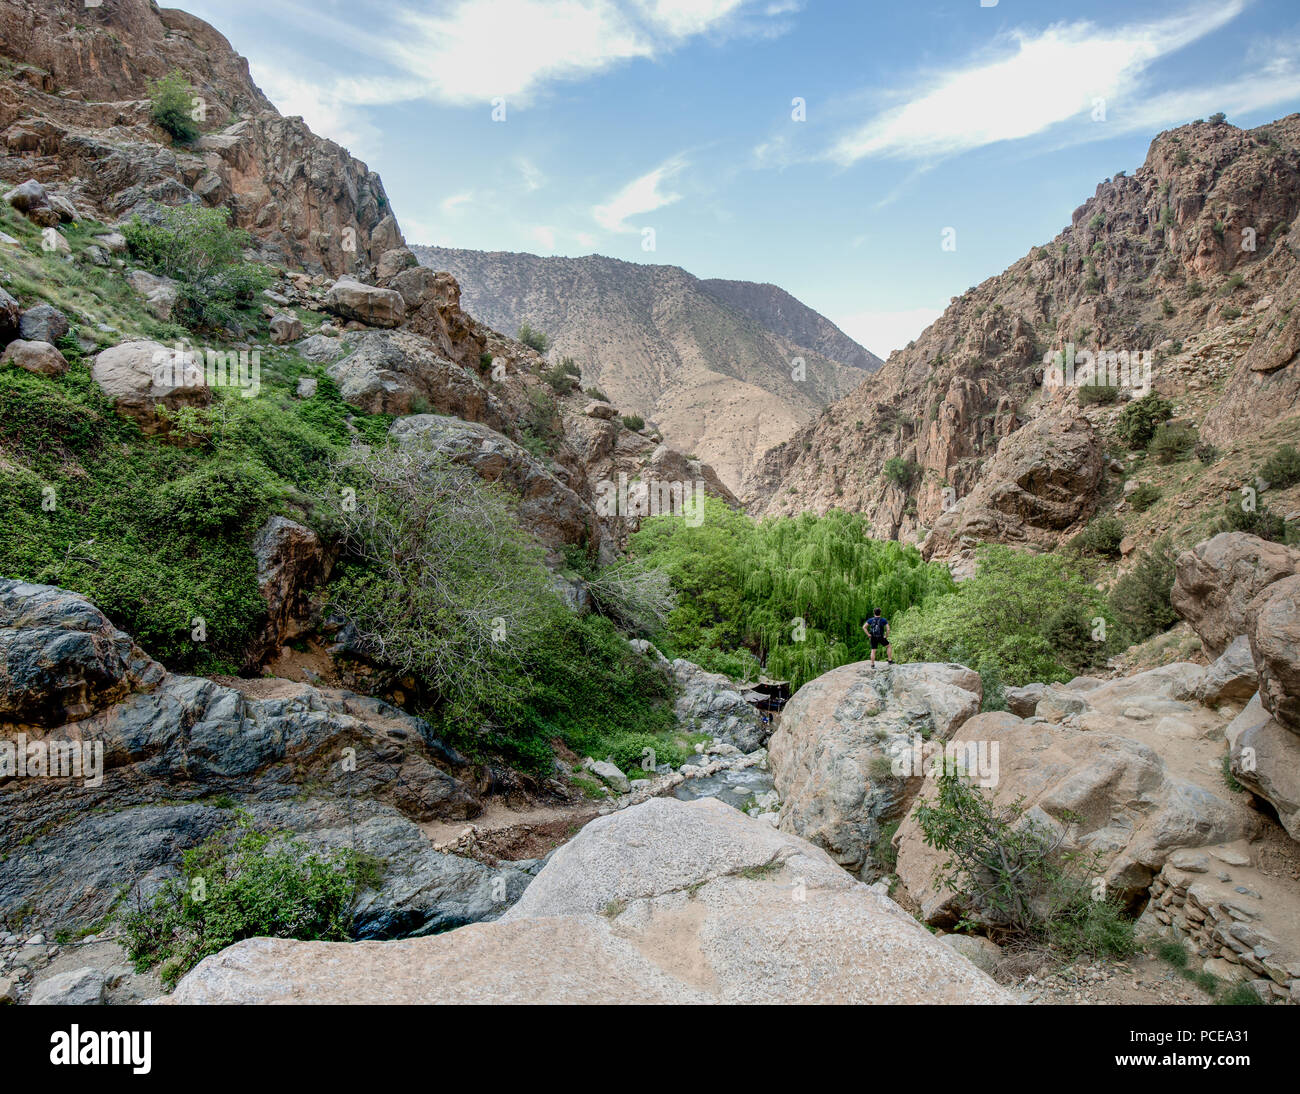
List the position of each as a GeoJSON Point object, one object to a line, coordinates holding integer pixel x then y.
{"type": "Point", "coordinates": [714, 364]}
{"type": "Point", "coordinates": [1192, 259]}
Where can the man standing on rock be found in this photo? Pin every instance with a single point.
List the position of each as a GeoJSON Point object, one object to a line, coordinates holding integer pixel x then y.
{"type": "Point", "coordinates": [877, 629]}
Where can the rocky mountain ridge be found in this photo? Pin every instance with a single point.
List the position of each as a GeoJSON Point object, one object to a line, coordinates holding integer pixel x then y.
{"type": "Point", "coordinates": [714, 364]}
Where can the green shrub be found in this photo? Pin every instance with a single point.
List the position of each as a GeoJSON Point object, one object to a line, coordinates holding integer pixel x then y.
{"type": "Point", "coordinates": [564, 377]}
{"type": "Point", "coordinates": [1282, 469]}
{"type": "Point", "coordinates": [1261, 521]}
{"type": "Point", "coordinates": [1090, 394]}
{"type": "Point", "coordinates": [1101, 538]}
{"type": "Point", "coordinates": [1172, 440]}
{"type": "Point", "coordinates": [542, 429]}
{"type": "Point", "coordinates": [199, 249]}
{"type": "Point", "coordinates": [901, 472]}
{"type": "Point", "coordinates": [1138, 421]}
{"type": "Point", "coordinates": [1206, 452]}
{"type": "Point", "coordinates": [1140, 598]}
{"type": "Point", "coordinates": [1145, 496]}
{"type": "Point", "coordinates": [217, 497]}
{"type": "Point", "coordinates": [1001, 616]}
{"type": "Point", "coordinates": [171, 106]}
{"type": "Point", "coordinates": [534, 339]}
{"type": "Point", "coordinates": [596, 394]}
{"type": "Point", "coordinates": [634, 422]}
{"type": "Point", "coordinates": [243, 883]}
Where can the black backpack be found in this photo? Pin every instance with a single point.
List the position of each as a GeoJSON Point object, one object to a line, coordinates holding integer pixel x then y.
{"type": "Point", "coordinates": [876, 626]}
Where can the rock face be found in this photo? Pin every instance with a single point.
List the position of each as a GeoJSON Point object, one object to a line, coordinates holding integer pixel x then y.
{"type": "Point", "coordinates": [1273, 623]}
{"type": "Point", "coordinates": [1232, 677]}
{"type": "Point", "coordinates": [1218, 578]}
{"type": "Point", "coordinates": [1131, 788]}
{"type": "Point", "coordinates": [141, 376]}
{"type": "Point", "coordinates": [709, 703]}
{"type": "Point", "coordinates": [1042, 479]}
{"type": "Point", "coordinates": [1265, 758]}
{"type": "Point", "coordinates": [831, 755]}
{"type": "Point", "coordinates": [291, 561]}
{"type": "Point", "coordinates": [84, 116]}
{"type": "Point", "coordinates": [664, 902]}
{"type": "Point", "coordinates": [67, 675]}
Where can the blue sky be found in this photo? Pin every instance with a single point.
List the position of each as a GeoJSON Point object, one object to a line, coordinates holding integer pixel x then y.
{"type": "Point", "coordinates": [679, 116]}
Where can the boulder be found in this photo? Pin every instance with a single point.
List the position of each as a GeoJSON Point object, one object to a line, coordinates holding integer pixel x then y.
{"type": "Point", "coordinates": [61, 659]}
{"type": "Point", "coordinates": [376, 307]}
{"type": "Point", "coordinates": [1264, 757]}
{"type": "Point", "coordinates": [711, 703]}
{"type": "Point", "coordinates": [85, 987]}
{"type": "Point", "coordinates": [140, 376]}
{"type": "Point", "coordinates": [10, 318]}
{"type": "Point", "coordinates": [978, 950]}
{"type": "Point", "coordinates": [839, 736]}
{"type": "Point", "coordinates": [33, 201]}
{"type": "Point", "coordinates": [43, 323]}
{"type": "Point", "coordinates": [1102, 793]}
{"type": "Point", "coordinates": [160, 293]}
{"type": "Point", "coordinates": [40, 358]}
{"type": "Point", "coordinates": [285, 328]}
{"type": "Point", "coordinates": [663, 902]}
{"type": "Point", "coordinates": [1273, 623]}
{"type": "Point", "coordinates": [393, 262]}
{"type": "Point", "coordinates": [598, 409]}
{"type": "Point", "coordinates": [1056, 704]}
{"type": "Point", "coordinates": [1232, 677]}
{"type": "Point", "coordinates": [1022, 701]}
{"type": "Point", "coordinates": [290, 563]}
{"type": "Point", "coordinates": [1217, 579]}
{"type": "Point", "coordinates": [608, 773]}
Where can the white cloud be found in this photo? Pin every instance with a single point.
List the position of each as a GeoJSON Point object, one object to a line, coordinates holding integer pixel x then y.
{"type": "Point", "coordinates": [683, 18]}
{"type": "Point", "coordinates": [545, 235]}
{"type": "Point", "coordinates": [451, 204]}
{"type": "Point", "coordinates": [641, 195]}
{"type": "Point", "coordinates": [882, 332]}
{"type": "Point", "coordinates": [532, 177]}
{"type": "Point", "coordinates": [1049, 77]}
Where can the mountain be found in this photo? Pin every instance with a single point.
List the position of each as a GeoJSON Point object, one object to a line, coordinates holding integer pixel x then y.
{"type": "Point", "coordinates": [957, 440]}
{"type": "Point", "coordinates": [712, 363]}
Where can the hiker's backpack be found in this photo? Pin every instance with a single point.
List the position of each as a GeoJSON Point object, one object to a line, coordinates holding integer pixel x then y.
{"type": "Point", "coordinates": [876, 626]}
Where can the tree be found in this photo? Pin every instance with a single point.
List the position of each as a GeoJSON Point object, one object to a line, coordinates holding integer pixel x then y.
{"type": "Point", "coordinates": [172, 104]}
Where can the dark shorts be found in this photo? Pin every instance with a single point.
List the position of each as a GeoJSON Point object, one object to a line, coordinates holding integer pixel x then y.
{"type": "Point", "coordinates": [877, 643]}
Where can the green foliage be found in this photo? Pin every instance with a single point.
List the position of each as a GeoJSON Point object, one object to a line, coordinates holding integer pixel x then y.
{"type": "Point", "coordinates": [794, 591]}
{"type": "Point", "coordinates": [534, 339]}
{"type": "Point", "coordinates": [1103, 394]}
{"type": "Point", "coordinates": [900, 472]}
{"type": "Point", "coordinates": [171, 106]}
{"type": "Point", "coordinates": [199, 249]}
{"type": "Point", "coordinates": [1282, 469]}
{"type": "Point", "coordinates": [1101, 538]}
{"type": "Point", "coordinates": [1261, 521]}
{"type": "Point", "coordinates": [1138, 421]}
{"type": "Point", "coordinates": [1145, 496]}
{"type": "Point", "coordinates": [564, 377]}
{"type": "Point", "coordinates": [1140, 598]}
{"type": "Point", "coordinates": [1172, 441]}
{"type": "Point", "coordinates": [1206, 452]}
{"type": "Point", "coordinates": [243, 883]}
{"type": "Point", "coordinates": [543, 429]}
{"type": "Point", "coordinates": [596, 394]}
{"type": "Point", "coordinates": [633, 422]}
{"type": "Point", "coordinates": [221, 496]}
{"type": "Point", "coordinates": [1007, 616]}
{"type": "Point", "coordinates": [1012, 873]}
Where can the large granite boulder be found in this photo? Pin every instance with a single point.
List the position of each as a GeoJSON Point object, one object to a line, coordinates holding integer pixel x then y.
{"type": "Point", "coordinates": [709, 702]}
{"type": "Point", "coordinates": [839, 736]}
{"type": "Point", "coordinates": [1273, 624]}
{"type": "Point", "coordinates": [664, 902]}
{"type": "Point", "coordinates": [1216, 581]}
{"type": "Point", "coordinates": [38, 358]}
{"type": "Point", "coordinates": [1232, 677]}
{"type": "Point", "coordinates": [1264, 756]}
{"type": "Point", "coordinates": [1099, 792]}
{"type": "Point", "coordinates": [140, 377]}
{"type": "Point", "coordinates": [376, 307]}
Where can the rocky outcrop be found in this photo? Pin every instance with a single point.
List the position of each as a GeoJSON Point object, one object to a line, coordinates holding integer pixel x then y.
{"type": "Point", "coordinates": [1217, 580]}
{"type": "Point", "coordinates": [1273, 624]}
{"type": "Point", "coordinates": [157, 747]}
{"type": "Point", "coordinates": [291, 562]}
{"type": "Point", "coordinates": [1232, 677]}
{"type": "Point", "coordinates": [376, 307]}
{"type": "Point", "coordinates": [665, 902]}
{"type": "Point", "coordinates": [710, 702]}
{"type": "Point", "coordinates": [140, 377]}
{"type": "Point", "coordinates": [833, 755]}
{"type": "Point", "coordinates": [1264, 756]}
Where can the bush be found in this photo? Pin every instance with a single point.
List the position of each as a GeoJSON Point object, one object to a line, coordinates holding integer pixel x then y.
{"type": "Point", "coordinates": [1206, 452]}
{"type": "Point", "coordinates": [243, 883]}
{"type": "Point", "coordinates": [1101, 538]}
{"type": "Point", "coordinates": [902, 473]}
{"type": "Point", "coordinates": [596, 394]}
{"type": "Point", "coordinates": [1140, 598]}
{"type": "Point", "coordinates": [171, 106]}
{"type": "Point", "coordinates": [1282, 469]}
{"type": "Point", "coordinates": [1138, 421]}
{"type": "Point", "coordinates": [201, 251]}
{"type": "Point", "coordinates": [1001, 616]}
{"type": "Point", "coordinates": [542, 429]}
{"type": "Point", "coordinates": [1090, 394]}
{"type": "Point", "coordinates": [634, 596]}
{"type": "Point", "coordinates": [634, 422]}
{"type": "Point", "coordinates": [562, 378]}
{"type": "Point", "coordinates": [1262, 522]}
{"type": "Point", "coordinates": [1012, 874]}
{"type": "Point", "coordinates": [1144, 497]}
{"type": "Point", "coordinates": [534, 339]}
{"type": "Point", "coordinates": [1172, 440]}
{"type": "Point", "coordinates": [217, 497]}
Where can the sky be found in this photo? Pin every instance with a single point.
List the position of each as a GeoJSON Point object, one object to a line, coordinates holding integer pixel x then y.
{"type": "Point", "coordinates": [874, 159]}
